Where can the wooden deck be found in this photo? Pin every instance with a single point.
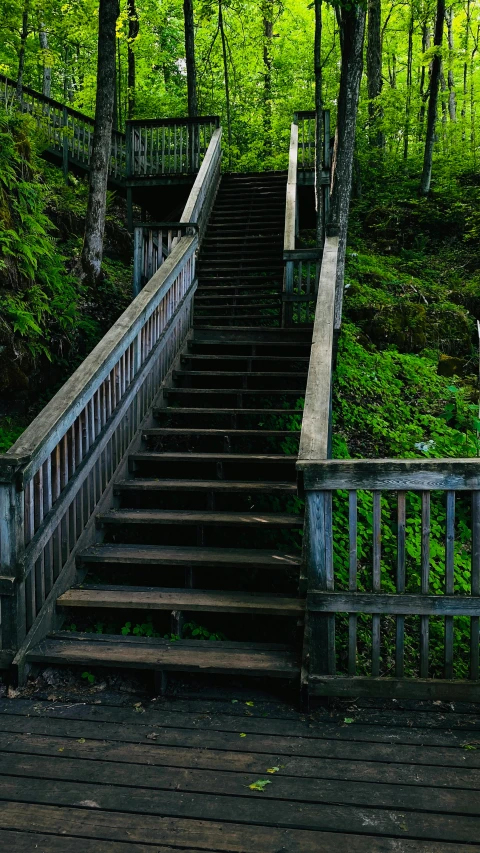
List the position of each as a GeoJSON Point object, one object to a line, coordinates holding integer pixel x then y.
{"type": "Point", "coordinates": [171, 775]}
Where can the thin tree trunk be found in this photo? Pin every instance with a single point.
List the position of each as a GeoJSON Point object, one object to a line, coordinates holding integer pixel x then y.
{"type": "Point", "coordinates": [21, 52]}
{"type": "Point", "coordinates": [133, 28]}
{"type": "Point", "coordinates": [423, 94]}
{"type": "Point", "coordinates": [267, 11]}
{"type": "Point", "coordinates": [190, 58]}
{"type": "Point", "coordinates": [227, 80]}
{"type": "Point", "coordinates": [452, 102]}
{"type": "Point", "coordinates": [319, 195]}
{"type": "Point", "coordinates": [432, 101]}
{"type": "Point", "coordinates": [374, 71]}
{"type": "Point", "coordinates": [102, 140]}
{"type": "Point", "coordinates": [47, 68]}
{"type": "Point", "coordinates": [352, 32]}
{"type": "Point", "coordinates": [409, 85]}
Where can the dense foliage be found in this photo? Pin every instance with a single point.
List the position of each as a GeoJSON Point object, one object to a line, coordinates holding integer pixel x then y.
{"type": "Point", "coordinates": [48, 320]}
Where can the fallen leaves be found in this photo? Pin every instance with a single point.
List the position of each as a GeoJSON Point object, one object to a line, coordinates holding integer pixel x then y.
{"type": "Point", "coordinates": [273, 769]}
{"type": "Point", "coordinates": [260, 785]}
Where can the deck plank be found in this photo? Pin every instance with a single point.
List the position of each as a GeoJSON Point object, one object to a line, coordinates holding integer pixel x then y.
{"type": "Point", "coordinates": [105, 778]}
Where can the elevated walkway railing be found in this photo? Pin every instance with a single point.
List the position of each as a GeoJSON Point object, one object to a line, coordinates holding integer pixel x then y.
{"type": "Point", "coordinates": [62, 467]}
{"type": "Point", "coordinates": [150, 148]}
{"type": "Point", "coordinates": [302, 265]}
{"type": "Point", "coordinates": [153, 241]}
{"type": "Point", "coordinates": [389, 546]}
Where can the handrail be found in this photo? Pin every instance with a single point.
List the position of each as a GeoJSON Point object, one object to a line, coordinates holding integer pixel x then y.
{"type": "Point", "coordinates": [204, 190]}
{"type": "Point", "coordinates": [63, 465]}
{"type": "Point", "coordinates": [315, 437]}
{"type": "Point", "coordinates": [174, 120]}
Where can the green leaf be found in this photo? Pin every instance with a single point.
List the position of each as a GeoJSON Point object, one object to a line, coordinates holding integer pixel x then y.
{"type": "Point", "coordinates": [260, 784]}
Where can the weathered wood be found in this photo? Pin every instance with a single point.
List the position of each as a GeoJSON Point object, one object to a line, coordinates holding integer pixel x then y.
{"type": "Point", "coordinates": [388, 474]}
{"type": "Point", "coordinates": [185, 556]}
{"type": "Point", "coordinates": [401, 604]}
{"type": "Point", "coordinates": [157, 516]}
{"type": "Point", "coordinates": [156, 598]}
{"type": "Point", "coordinates": [314, 440]}
{"type": "Point", "coordinates": [179, 656]}
{"type": "Point", "coordinates": [227, 837]}
{"type": "Point", "coordinates": [395, 688]}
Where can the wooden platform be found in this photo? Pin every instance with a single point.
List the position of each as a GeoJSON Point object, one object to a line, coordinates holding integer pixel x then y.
{"type": "Point", "coordinates": [173, 775]}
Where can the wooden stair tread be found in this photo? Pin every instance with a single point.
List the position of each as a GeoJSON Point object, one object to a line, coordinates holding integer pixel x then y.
{"type": "Point", "coordinates": [154, 598]}
{"type": "Point", "coordinates": [164, 431]}
{"type": "Point", "coordinates": [240, 373]}
{"type": "Point", "coordinates": [144, 484]}
{"type": "Point", "coordinates": [179, 555]}
{"type": "Point", "coordinates": [256, 391]}
{"type": "Point", "coordinates": [171, 410]}
{"type": "Point", "coordinates": [161, 516]}
{"type": "Point", "coordinates": [203, 656]}
{"type": "Point", "coordinates": [155, 456]}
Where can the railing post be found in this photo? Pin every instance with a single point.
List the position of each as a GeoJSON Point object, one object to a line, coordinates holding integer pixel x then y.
{"type": "Point", "coordinates": [319, 563]}
{"type": "Point", "coordinates": [12, 547]}
{"type": "Point", "coordinates": [287, 306]}
{"type": "Point", "coordinates": [128, 174]}
{"type": "Point", "coordinates": [65, 144]}
{"type": "Point", "coordinates": [137, 260]}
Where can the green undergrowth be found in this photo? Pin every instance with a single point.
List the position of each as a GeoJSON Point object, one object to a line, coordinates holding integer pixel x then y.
{"type": "Point", "coordinates": [406, 386]}
{"type": "Point", "coordinates": [190, 630]}
{"type": "Point", "coordinates": [49, 320]}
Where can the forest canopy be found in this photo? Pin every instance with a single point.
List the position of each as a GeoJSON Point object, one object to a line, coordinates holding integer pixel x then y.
{"type": "Point", "coordinates": [267, 56]}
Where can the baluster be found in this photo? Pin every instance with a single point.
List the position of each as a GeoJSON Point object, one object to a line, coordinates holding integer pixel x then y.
{"type": "Point", "coordinates": [475, 585]}
{"type": "Point", "coordinates": [47, 505]}
{"type": "Point", "coordinates": [175, 149]}
{"type": "Point", "coordinates": [400, 586]}
{"type": "Point", "coordinates": [352, 580]}
{"type": "Point", "coordinates": [163, 151]}
{"type": "Point", "coordinates": [449, 580]}
{"type": "Point", "coordinates": [377, 581]}
{"type": "Point", "coordinates": [425, 578]}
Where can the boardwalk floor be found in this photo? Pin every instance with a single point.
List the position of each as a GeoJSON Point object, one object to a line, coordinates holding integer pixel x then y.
{"type": "Point", "coordinates": [175, 775]}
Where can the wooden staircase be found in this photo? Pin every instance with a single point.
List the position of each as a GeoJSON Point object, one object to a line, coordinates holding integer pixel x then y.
{"type": "Point", "coordinates": [206, 524]}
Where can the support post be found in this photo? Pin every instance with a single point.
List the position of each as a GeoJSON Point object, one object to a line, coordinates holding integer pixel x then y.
{"type": "Point", "coordinates": [13, 627]}
{"type": "Point", "coordinates": [65, 145]}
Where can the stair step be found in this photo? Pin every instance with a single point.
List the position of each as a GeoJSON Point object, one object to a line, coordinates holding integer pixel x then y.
{"type": "Point", "coordinates": [284, 360]}
{"type": "Point", "coordinates": [253, 458]}
{"type": "Point", "coordinates": [158, 432]}
{"type": "Point", "coordinates": [152, 555]}
{"type": "Point", "coordinates": [191, 410]}
{"type": "Point", "coordinates": [237, 374]}
{"type": "Point", "coordinates": [250, 392]}
{"type": "Point", "coordinates": [151, 485]}
{"type": "Point", "coordinates": [183, 655]}
{"type": "Point", "coordinates": [225, 519]}
{"type": "Point", "coordinates": [154, 598]}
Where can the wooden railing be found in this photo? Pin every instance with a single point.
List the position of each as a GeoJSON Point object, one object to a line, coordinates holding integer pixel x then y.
{"type": "Point", "coordinates": [62, 467]}
{"type": "Point", "coordinates": [150, 148]}
{"type": "Point", "coordinates": [418, 587]}
{"type": "Point", "coordinates": [169, 146]}
{"type": "Point", "coordinates": [391, 555]}
{"type": "Point", "coordinates": [302, 265]}
{"type": "Point", "coordinates": [153, 241]}
{"type": "Point", "coordinates": [68, 132]}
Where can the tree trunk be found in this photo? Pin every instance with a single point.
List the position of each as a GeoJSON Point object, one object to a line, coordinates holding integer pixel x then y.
{"type": "Point", "coordinates": [432, 101]}
{"type": "Point", "coordinates": [409, 85]}
{"type": "Point", "coordinates": [133, 28]}
{"type": "Point", "coordinates": [47, 68]}
{"type": "Point", "coordinates": [352, 31]}
{"type": "Point", "coordinates": [267, 11]}
{"type": "Point", "coordinates": [423, 94]}
{"type": "Point", "coordinates": [319, 196]}
{"type": "Point", "coordinates": [102, 140]}
{"type": "Point", "coordinates": [21, 52]}
{"type": "Point", "coordinates": [227, 80]}
{"type": "Point", "coordinates": [190, 58]}
{"type": "Point", "coordinates": [452, 102]}
{"type": "Point", "coordinates": [374, 71]}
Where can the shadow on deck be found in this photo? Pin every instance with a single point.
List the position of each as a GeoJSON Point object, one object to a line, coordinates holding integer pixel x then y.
{"type": "Point", "coordinates": [170, 775]}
